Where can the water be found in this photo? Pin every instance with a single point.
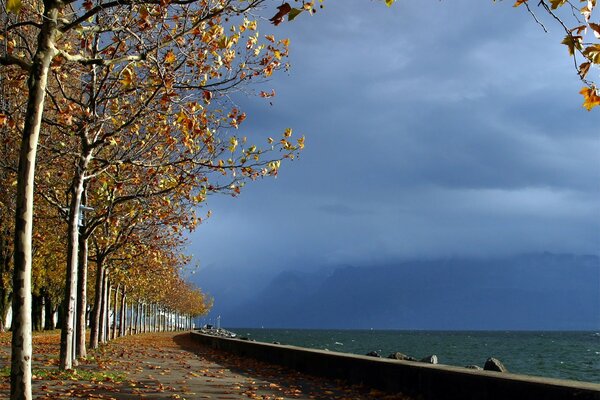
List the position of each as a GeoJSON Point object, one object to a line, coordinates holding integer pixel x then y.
{"type": "Point", "coordinates": [564, 355]}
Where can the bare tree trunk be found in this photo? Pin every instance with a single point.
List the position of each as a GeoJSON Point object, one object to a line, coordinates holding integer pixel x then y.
{"type": "Point", "coordinates": [160, 320]}
{"type": "Point", "coordinates": [131, 320]}
{"type": "Point", "coordinates": [123, 313]}
{"type": "Point", "coordinates": [49, 311]}
{"type": "Point", "coordinates": [97, 310]}
{"type": "Point", "coordinates": [106, 310]}
{"type": "Point", "coordinates": [155, 318]}
{"type": "Point", "coordinates": [21, 349]}
{"type": "Point", "coordinates": [144, 316]}
{"type": "Point", "coordinates": [137, 317]}
{"type": "Point", "coordinates": [115, 310]}
{"type": "Point", "coordinates": [82, 297]}
{"type": "Point", "coordinates": [68, 320]}
{"type": "Point", "coordinates": [36, 312]}
{"type": "Point", "coordinates": [5, 257]}
{"type": "Point", "coordinates": [102, 312]}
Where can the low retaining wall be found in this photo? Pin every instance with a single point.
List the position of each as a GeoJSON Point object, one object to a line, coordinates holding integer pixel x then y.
{"type": "Point", "coordinates": [435, 382]}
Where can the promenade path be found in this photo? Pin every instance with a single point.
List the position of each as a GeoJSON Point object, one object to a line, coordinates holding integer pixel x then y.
{"type": "Point", "coordinates": [170, 366]}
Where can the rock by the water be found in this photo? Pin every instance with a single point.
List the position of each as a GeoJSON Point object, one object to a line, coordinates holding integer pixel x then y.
{"type": "Point", "coordinates": [373, 354]}
{"type": "Point", "coordinates": [493, 364]}
{"type": "Point", "coordinates": [401, 356]}
{"type": "Point", "coordinates": [432, 359]}
{"type": "Point", "coordinates": [276, 343]}
{"type": "Point", "coordinates": [476, 367]}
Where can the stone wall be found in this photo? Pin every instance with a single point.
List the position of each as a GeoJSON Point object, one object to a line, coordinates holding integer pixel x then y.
{"type": "Point", "coordinates": [430, 382]}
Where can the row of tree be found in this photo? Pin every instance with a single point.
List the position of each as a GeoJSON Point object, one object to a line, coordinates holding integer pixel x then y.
{"type": "Point", "coordinates": [126, 109]}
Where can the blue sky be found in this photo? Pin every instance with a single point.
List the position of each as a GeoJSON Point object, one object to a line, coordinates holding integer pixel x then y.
{"type": "Point", "coordinates": [433, 129]}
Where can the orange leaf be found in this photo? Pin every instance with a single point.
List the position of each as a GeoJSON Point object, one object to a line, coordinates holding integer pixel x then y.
{"type": "Point", "coordinates": [170, 57]}
{"type": "Point", "coordinates": [590, 97]}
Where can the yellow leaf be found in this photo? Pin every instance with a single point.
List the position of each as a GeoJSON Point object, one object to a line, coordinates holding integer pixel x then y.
{"type": "Point", "coordinates": [170, 57]}
{"type": "Point", "coordinates": [233, 144]}
{"type": "Point", "coordinates": [572, 42]}
{"type": "Point", "coordinates": [592, 53]}
{"type": "Point", "coordinates": [590, 98]}
{"type": "Point", "coordinates": [128, 77]}
{"type": "Point", "coordinates": [389, 2]}
{"type": "Point", "coordinates": [13, 6]}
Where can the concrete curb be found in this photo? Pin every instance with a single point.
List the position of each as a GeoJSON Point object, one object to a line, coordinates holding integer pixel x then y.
{"type": "Point", "coordinates": [435, 382]}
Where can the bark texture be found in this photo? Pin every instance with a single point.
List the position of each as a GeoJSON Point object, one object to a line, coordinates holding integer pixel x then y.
{"type": "Point", "coordinates": [20, 376]}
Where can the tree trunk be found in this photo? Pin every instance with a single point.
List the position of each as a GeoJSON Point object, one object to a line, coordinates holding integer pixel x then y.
{"type": "Point", "coordinates": [144, 316]}
{"type": "Point", "coordinates": [105, 309]}
{"type": "Point", "coordinates": [21, 349]}
{"type": "Point", "coordinates": [67, 352]}
{"type": "Point", "coordinates": [97, 310]}
{"type": "Point", "coordinates": [109, 288]}
{"type": "Point", "coordinates": [123, 314]}
{"type": "Point", "coordinates": [130, 327]}
{"type": "Point", "coordinates": [5, 256]}
{"type": "Point", "coordinates": [82, 297]}
{"type": "Point", "coordinates": [154, 317]}
{"type": "Point", "coordinates": [49, 313]}
{"type": "Point", "coordinates": [113, 335]}
{"type": "Point", "coordinates": [36, 312]}
{"type": "Point", "coordinates": [137, 317]}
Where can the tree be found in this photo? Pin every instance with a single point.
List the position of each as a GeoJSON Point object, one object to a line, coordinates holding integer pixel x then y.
{"type": "Point", "coordinates": [582, 38]}
{"type": "Point", "coordinates": [154, 39]}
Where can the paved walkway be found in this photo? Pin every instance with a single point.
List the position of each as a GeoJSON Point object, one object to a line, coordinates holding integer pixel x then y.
{"type": "Point", "coordinates": [172, 366]}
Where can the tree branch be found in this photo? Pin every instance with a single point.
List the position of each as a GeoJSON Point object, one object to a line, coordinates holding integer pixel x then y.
{"type": "Point", "coordinates": [12, 60]}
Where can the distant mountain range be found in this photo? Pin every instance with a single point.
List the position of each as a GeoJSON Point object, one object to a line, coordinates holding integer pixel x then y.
{"type": "Point", "coordinates": [528, 292]}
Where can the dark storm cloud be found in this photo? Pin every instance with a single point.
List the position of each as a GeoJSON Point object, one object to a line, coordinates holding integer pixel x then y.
{"type": "Point", "coordinates": [433, 129]}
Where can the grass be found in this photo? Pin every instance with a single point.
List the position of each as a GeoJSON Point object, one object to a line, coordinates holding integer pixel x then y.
{"type": "Point", "coordinates": [78, 375]}
{"type": "Point", "coordinates": [53, 374]}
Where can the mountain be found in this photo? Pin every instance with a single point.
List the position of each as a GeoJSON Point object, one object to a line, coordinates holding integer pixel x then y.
{"type": "Point", "coordinates": [527, 292]}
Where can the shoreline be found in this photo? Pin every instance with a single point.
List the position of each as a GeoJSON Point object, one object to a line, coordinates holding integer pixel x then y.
{"type": "Point", "coordinates": [552, 354]}
{"type": "Point", "coordinates": [419, 379]}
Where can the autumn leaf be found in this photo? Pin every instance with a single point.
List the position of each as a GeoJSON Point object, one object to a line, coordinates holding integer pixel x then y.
{"type": "Point", "coordinates": [557, 3]}
{"type": "Point", "coordinates": [233, 142]}
{"type": "Point", "coordinates": [283, 10]}
{"type": "Point", "coordinates": [170, 57]}
{"type": "Point", "coordinates": [207, 95]}
{"type": "Point", "coordinates": [584, 69]}
{"type": "Point", "coordinates": [590, 97]}
{"type": "Point", "coordinates": [14, 6]}
{"type": "Point", "coordinates": [592, 53]}
{"type": "Point", "coordinates": [294, 12]}
{"type": "Point", "coordinates": [595, 29]}
{"type": "Point", "coordinates": [389, 2]}
{"type": "Point", "coordinates": [266, 94]}
{"type": "Point", "coordinates": [573, 43]}
{"type": "Point", "coordinates": [127, 78]}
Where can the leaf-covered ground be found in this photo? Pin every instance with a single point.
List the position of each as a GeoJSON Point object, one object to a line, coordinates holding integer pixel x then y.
{"type": "Point", "coordinates": [169, 366]}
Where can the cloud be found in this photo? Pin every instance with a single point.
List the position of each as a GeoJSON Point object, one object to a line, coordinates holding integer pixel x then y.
{"type": "Point", "coordinates": [432, 129]}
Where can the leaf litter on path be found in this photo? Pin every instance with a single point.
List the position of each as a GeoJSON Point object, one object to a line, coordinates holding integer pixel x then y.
{"type": "Point", "coordinates": [172, 366]}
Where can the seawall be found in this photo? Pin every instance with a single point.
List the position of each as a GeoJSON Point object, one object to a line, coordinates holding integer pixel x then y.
{"type": "Point", "coordinates": [435, 382]}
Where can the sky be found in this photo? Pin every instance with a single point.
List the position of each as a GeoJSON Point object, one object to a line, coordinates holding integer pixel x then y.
{"type": "Point", "coordinates": [433, 129]}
